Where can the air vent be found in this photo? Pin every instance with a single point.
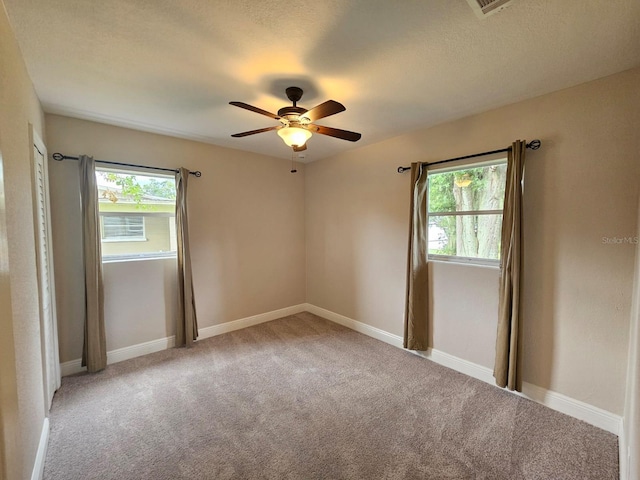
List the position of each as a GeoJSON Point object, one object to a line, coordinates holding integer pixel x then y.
{"type": "Point", "coordinates": [484, 8]}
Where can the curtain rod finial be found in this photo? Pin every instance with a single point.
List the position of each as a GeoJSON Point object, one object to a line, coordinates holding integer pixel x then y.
{"type": "Point", "coordinates": [534, 144]}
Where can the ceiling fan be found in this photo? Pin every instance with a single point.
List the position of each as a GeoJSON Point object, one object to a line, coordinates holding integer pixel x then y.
{"type": "Point", "coordinates": [296, 125]}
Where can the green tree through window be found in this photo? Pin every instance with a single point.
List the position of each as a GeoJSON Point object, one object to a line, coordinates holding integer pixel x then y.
{"type": "Point", "coordinates": [465, 211]}
{"type": "Point", "coordinates": [131, 187]}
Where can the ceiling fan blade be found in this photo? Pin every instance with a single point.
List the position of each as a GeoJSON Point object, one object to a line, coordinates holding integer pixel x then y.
{"type": "Point", "coordinates": [335, 132]}
{"type": "Point", "coordinates": [253, 132]}
{"type": "Point", "coordinates": [300, 149]}
{"type": "Point", "coordinates": [330, 107]}
{"type": "Point", "coordinates": [251, 108]}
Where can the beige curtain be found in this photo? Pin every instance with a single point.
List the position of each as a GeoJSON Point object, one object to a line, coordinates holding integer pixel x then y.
{"type": "Point", "coordinates": [506, 370]}
{"type": "Point", "coordinates": [416, 321]}
{"type": "Point", "coordinates": [94, 351]}
{"type": "Point", "coordinates": [187, 324]}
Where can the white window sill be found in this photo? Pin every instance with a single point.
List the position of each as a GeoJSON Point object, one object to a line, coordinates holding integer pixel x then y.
{"type": "Point", "coordinates": [474, 262]}
{"type": "Point", "coordinates": [124, 239]}
{"type": "Point", "coordinates": [139, 258]}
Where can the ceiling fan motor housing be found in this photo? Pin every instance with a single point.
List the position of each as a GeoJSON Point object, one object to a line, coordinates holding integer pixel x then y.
{"type": "Point", "coordinates": [297, 111]}
{"type": "Point", "coordinates": [294, 94]}
{"type": "Point", "coordinates": [292, 114]}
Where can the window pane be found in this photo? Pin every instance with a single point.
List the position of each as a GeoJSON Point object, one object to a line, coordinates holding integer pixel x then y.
{"type": "Point", "coordinates": [470, 236]}
{"type": "Point", "coordinates": [468, 189]}
{"type": "Point", "coordinates": [137, 214]}
{"type": "Point", "coordinates": [127, 227]}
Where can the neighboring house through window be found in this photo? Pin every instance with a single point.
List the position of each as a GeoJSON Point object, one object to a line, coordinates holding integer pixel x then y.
{"type": "Point", "coordinates": [137, 215]}
{"type": "Point", "coordinates": [122, 228]}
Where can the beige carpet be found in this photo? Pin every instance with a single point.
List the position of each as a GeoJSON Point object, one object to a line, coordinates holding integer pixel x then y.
{"type": "Point", "coordinates": [304, 398]}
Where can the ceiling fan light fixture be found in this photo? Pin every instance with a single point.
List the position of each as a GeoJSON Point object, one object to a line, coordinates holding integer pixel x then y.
{"type": "Point", "coordinates": [294, 136]}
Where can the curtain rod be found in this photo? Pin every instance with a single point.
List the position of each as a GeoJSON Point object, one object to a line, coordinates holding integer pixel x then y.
{"type": "Point", "coordinates": [533, 145]}
{"type": "Point", "coordinates": [59, 157]}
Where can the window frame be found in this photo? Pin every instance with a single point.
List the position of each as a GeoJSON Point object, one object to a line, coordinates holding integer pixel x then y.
{"type": "Point", "coordinates": [498, 159]}
{"type": "Point", "coordinates": [134, 256]}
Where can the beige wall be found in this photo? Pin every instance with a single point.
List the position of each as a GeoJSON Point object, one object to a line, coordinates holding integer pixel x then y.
{"type": "Point", "coordinates": [144, 312]}
{"type": "Point", "coordinates": [21, 385]}
{"type": "Point", "coordinates": [465, 315]}
{"type": "Point", "coordinates": [246, 227]}
{"type": "Point", "coordinates": [8, 388]}
{"type": "Point", "coordinates": [580, 187]}
{"type": "Point", "coordinates": [631, 429]}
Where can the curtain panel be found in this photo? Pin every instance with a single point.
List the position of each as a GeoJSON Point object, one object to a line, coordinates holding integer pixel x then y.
{"type": "Point", "coordinates": [507, 364]}
{"type": "Point", "coordinates": [94, 350]}
{"type": "Point", "coordinates": [416, 324]}
{"type": "Point", "coordinates": [187, 324]}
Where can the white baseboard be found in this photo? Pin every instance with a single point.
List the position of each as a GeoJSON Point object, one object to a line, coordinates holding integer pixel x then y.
{"type": "Point", "coordinates": [133, 351]}
{"type": "Point", "coordinates": [71, 367]}
{"type": "Point", "coordinates": [41, 455]}
{"type": "Point", "coordinates": [120, 354]}
{"type": "Point", "coordinates": [575, 408]}
{"type": "Point", "coordinates": [227, 327]}
{"type": "Point", "coordinates": [458, 364]}
{"type": "Point", "coordinates": [374, 332]}
{"type": "Point", "coordinates": [125, 353]}
{"type": "Point", "coordinates": [623, 452]}
{"type": "Point", "coordinates": [556, 401]}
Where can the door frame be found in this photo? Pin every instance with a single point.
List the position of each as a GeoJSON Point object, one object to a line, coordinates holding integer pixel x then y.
{"type": "Point", "coordinates": [49, 339]}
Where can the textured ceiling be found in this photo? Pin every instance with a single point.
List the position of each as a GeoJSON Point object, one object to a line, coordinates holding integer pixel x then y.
{"type": "Point", "coordinates": [172, 67]}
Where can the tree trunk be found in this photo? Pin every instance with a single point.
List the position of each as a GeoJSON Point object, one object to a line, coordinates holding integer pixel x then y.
{"type": "Point", "coordinates": [466, 240]}
{"type": "Point", "coordinates": [491, 198]}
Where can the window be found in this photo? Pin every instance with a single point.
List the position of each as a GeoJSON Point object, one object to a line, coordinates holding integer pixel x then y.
{"type": "Point", "coordinates": [137, 215]}
{"type": "Point", "coordinates": [122, 228]}
{"type": "Point", "coordinates": [465, 212]}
